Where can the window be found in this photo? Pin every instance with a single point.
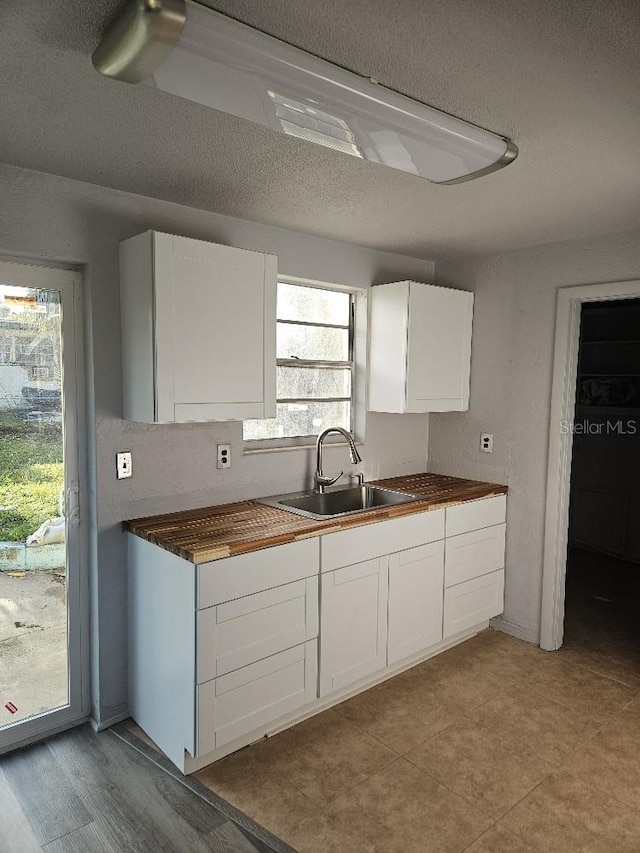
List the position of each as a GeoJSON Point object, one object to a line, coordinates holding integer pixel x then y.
{"type": "Point", "coordinates": [314, 373]}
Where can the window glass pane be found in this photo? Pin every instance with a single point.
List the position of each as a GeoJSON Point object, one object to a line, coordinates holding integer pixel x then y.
{"type": "Point", "coordinates": [313, 382]}
{"type": "Point", "coordinates": [33, 664]}
{"type": "Point", "coordinates": [307, 342]}
{"type": "Point", "coordinates": [294, 419]}
{"type": "Point", "coordinates": [312, 305]}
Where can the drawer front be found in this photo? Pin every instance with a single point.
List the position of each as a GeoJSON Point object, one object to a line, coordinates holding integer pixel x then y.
{"type": "Point", "coordinates": [472, 602]}
{"type": "Point", "coordinates": [245, 630]}
{"type": "Point", "coordinates": [249, 700]}
{"type": "Point", "coordinates": [234, 577]}
{"type": "Point", "coordinates": [473, 554]}
{"type": "Point", "coordinates": [474, 515]}
{"type": "Point", "coordinates": [377, 540]}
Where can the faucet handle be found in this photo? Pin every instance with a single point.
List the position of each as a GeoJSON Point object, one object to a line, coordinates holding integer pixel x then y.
{"type": "Point", "coordinates": [326, 481]}
{"type": "Point", "coordinates": [320, 482]}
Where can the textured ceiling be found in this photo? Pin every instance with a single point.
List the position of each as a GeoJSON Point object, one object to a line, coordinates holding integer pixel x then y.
{"type": "Point", "coordinates": [560, 77]}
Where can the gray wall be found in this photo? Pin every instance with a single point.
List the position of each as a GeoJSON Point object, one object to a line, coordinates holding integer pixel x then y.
{"type": "Point", "coordinates": [54, 219]}
{"type": "Point", "coordinates": [513, 335]}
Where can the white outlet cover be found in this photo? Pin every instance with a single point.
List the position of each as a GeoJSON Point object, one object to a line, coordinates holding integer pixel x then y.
{"type": "Point", "coordinates": [486, 442]}
{"type": "Point", "coordinates": [224, 456]}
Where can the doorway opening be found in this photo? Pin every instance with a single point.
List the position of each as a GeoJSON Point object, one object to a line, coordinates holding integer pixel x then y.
{"type": "Point", "coordinates": [590, 520]}
{"type": "Point", "coordinates": [602, 596]}
{"type": "Point", "coordinates": [43, 683]}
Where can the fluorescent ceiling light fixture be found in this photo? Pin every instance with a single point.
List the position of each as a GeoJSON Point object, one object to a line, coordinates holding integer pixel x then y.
{"type": "Point", "coordinates": [191, 51]}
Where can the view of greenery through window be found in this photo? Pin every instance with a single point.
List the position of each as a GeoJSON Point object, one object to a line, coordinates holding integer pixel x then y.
{"type": "Point", "coordinates": [33, 550]}
{"type": "Point", "coordinates": [31, 446]}
{"type": "Point", "coordinates": [314, 340]}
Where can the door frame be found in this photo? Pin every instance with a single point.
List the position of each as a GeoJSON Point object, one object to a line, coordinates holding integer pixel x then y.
{"type": "Point", "coordinates": [69, 282]}
{"type": "Point", "coordinates": [563, 391]}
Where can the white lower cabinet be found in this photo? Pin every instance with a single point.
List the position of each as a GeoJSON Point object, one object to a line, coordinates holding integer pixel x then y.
{"type": "Point", "coordinates": [378, 613]}
{"type": "Point", "coordinates": [247, 699]}
{"type": "Point", "coordinates": [473, 554]}
{"type": "Point", "coordinates": [256, 654]}
{"type": "Point", "coordinates": [415, 600]}
{"type": "Point", "coordinates": [472, 602]}
{"type": "Point", "coordinates": [242, 631]}
{"type": "Point", "coordinates": [353, 629]}
{"type": "Point", "coordinates": [223, 652]}
{"type": "Point", "coordinates": [474, 563]}
{"type": "Point", "coordinates": [474, 515]}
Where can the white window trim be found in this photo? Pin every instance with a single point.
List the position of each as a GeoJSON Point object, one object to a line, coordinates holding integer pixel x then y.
{"type": "Point", "coordinates": [358, 376]}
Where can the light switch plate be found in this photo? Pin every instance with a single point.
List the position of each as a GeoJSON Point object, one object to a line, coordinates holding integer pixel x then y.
{"type": "Point", "coordinates": [124, 465]}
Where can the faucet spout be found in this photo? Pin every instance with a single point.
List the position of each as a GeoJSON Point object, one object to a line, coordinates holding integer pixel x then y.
{"type": "Point", "coordinates": [319, 480]}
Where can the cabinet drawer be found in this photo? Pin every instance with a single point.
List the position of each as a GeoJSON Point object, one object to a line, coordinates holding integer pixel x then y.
{"type": "Point", "coordinates": [474, 601]}
{"type": "Point", "coordinates": [377, 540]}
{"type": "Point", "coordinates": [252, 698]}
{"type": "Point", "coordinates": [234, 577]}
{"type": "Point", "coordinates": [473, 554]}
{"type": "Point", "coordinates": [474, 515]}
{"type": "Point", "coordinates": [242, 631]}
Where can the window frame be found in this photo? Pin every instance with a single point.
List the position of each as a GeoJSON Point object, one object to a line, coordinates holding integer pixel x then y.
{"type": "Point", "coordinates": [353, 364]}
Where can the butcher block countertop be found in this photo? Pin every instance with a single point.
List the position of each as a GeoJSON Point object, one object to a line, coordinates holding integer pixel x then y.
{"type": "Point", "coordinates": [215, 532]}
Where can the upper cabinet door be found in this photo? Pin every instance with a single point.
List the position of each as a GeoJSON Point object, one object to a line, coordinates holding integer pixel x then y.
{"type": "Point", "coordinates": [419, 348]}
{"type": "Point", "coordinates": [198, 325]}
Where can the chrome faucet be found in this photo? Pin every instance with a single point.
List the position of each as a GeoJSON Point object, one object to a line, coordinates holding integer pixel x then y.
{"type": "Point", "coordinates": [320, 482]}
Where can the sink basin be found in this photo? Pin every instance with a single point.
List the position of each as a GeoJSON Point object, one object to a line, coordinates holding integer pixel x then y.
{"type": "Point", "coordinates": [341, 501]}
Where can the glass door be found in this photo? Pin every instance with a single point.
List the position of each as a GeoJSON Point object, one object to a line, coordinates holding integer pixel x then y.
{"type": "Point", "coordinates": [43, 599]}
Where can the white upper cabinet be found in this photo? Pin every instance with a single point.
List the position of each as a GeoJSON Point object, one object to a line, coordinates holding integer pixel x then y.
{"type": "Point", "coordinates": [198, 330]}
{"type": "Point", "coordinates": [419, 348]}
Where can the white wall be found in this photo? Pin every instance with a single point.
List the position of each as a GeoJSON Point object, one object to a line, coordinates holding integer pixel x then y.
{"type": "Point", "coordinates": [54, 219]}
{"type": "Point", "coordinates": [511, 372]}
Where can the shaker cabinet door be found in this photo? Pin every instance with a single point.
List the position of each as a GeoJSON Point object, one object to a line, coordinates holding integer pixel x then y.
{"type": "Point", "coordinates": [419, 348]}
{"type": "Point", "coordinates": [353, 630]}
{"type": "Point", "coordinates": [216, 316]}
{"type": "Point", "coordinates": [439, 349]}
{"type": "Point", "coordinates": [415, 600]}
{"type": "Point", "coordinates": [198, 328]}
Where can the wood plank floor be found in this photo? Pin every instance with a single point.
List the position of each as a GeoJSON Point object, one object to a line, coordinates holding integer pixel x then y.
{"type": "Point", "coordinates": [82, 792]}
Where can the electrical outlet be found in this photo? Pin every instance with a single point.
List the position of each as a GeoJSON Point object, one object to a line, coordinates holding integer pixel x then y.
{"type": "Point", "coordinates": [123, 465]}
{"type": "Point", "coordinates": [224, 456]}
{"type": "Point", "coordinates": [486, 442]}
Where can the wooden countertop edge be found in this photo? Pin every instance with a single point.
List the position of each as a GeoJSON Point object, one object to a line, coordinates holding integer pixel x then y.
{"type": "Point", "coordinates": [309, 528]}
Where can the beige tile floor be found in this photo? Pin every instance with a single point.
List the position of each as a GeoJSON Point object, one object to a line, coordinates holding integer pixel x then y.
{"type": "Point", "coordinates": [491, 747]}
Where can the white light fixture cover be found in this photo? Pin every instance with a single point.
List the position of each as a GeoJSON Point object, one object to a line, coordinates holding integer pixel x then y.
{"type": "Point", "coordinates": [195, 53]}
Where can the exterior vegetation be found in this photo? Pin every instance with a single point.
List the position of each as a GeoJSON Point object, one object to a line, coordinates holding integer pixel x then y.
{"type": "Point", "coordinates": [31, 475]}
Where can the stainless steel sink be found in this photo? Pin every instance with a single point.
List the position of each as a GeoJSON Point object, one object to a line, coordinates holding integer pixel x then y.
{"type": "Point", "coordinates": [341, 501]}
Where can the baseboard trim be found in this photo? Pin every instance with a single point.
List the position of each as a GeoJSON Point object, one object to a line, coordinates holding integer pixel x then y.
{"type": "Point", "coordinates": [529, 635]}
{"type": "Point", "coordinates": [116, 716]}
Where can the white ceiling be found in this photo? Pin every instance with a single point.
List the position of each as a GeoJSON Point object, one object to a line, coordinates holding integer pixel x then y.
{"type": "Point", "coordinates": [559, 77]}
